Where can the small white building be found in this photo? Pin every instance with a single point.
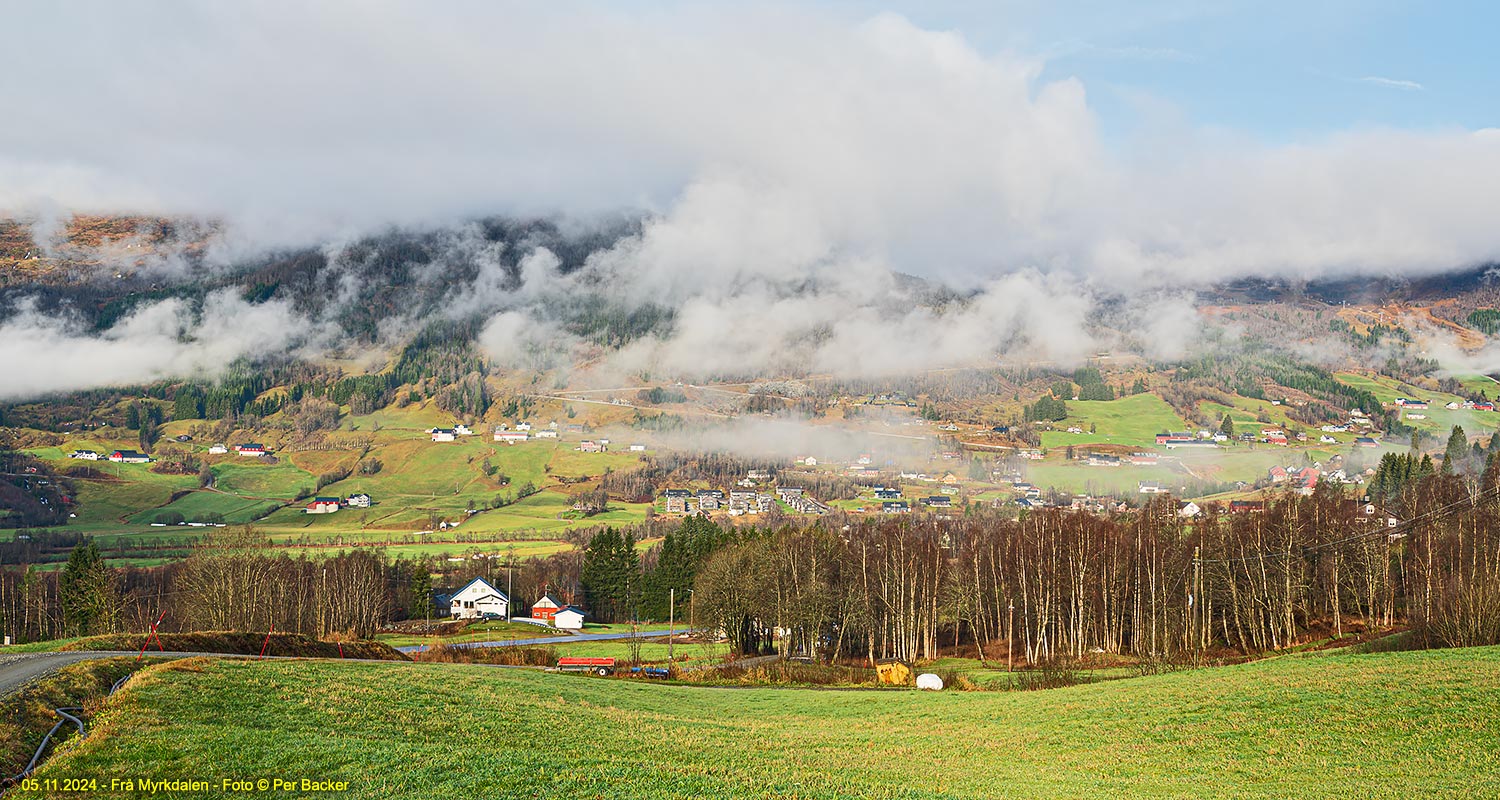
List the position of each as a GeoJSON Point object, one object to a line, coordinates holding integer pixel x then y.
{"type": "Point", "coordinates": [511, 437]}
{"type": "Point", "coordinates": [637, 448]}
{"type": "Point", "coordinates": [523, 426]}
{"type": "Point", "coordinates": [546, 434]}
{"type": "Point", "coordinates": [443, 434]}
{"type": "Point", "coordinates": [358, 501]}
{"type": "Point", "coordinates": [570, 618]}
{"type": "Point", "coordinates": [462, 430]}
{"type": "Point", "coordinates": [218, 450]}
{"type": "Point", "coordinates": [86, 455]}
{"type": "Point", "coordinates": [479, 599]}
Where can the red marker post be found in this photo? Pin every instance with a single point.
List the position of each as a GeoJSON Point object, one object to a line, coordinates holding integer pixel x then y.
{"type": "Point", "coordinates": [151, 636]}
{"type": "Point", "coordinates": [267, 642]}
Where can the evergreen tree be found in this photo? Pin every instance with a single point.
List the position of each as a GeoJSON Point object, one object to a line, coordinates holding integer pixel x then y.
{"type": "Point", "coordinates": [1226, 425]}
{"type": "Point", "coordinates": [86, 592]}
{"type": "Point", "coordinates": [1456, 452]}
{"type": "Point", "coordinates": [421, 593]}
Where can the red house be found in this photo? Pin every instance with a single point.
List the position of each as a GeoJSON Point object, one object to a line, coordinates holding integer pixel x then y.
{"type": "Point", "coordinates": [546, 608]}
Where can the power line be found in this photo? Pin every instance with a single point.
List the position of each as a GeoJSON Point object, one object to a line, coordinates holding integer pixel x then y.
{"type": "Point", "coordinates": [1431, 515]}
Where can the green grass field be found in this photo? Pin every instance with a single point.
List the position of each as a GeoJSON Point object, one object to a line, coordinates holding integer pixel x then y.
{"type": "Point", "coordinates": [1133, 420]}
{"type": "Point", "coordinates": [1396, 725]}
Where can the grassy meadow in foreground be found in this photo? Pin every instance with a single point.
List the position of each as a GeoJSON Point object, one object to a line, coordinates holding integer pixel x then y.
{"type": "Point", "coordinates": [1386, 725]}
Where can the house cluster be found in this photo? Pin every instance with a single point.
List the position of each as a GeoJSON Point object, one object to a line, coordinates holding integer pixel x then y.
{"type": "Point", "coordinates": [799, 501]}
{"type": "Point", "coordinates": [738, 502]}
{"type": "Point", "coordinates": [479, 599]}
{"type": "Point", "coordinates": [329, 505]}
{"type": "Point", "coordinates": [450, 434]}
{"type": "Point", "coordinates": [1471, 405]}
{"type": "Point", "coordinates": [524, 431]}
{"type": "Point", "coordinates": [1303, 478]}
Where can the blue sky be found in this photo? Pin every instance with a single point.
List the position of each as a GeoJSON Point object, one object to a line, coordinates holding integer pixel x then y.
{"type": "Point", "coordinates": [1279, 71]}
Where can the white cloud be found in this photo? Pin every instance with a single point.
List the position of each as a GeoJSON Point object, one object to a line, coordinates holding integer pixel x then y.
{"type": "Point", "coordinates": [776, 137]}
{"type": "Point", "coordinates": [1393, 83]}
{"type": "Point", "coordinates": [41, 353]}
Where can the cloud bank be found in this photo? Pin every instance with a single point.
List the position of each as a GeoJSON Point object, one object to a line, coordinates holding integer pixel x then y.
{"type": "Point", "coordinates": [789, 162]}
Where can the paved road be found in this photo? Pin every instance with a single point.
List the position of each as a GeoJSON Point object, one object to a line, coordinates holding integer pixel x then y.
{"type": "Point", "coordinates": [577, 637]}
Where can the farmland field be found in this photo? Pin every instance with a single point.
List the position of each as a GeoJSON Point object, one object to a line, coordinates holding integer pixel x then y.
{"type": "Point", "coordinates": [1133, 421]}
{"type": "Point", "coordinates": [1388, 725]}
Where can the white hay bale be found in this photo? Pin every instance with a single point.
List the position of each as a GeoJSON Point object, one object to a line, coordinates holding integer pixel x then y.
{"type": "Point", "coordinates": [927, 680]}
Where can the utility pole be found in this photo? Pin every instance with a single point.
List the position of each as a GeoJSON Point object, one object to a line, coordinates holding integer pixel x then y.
{"type": "Point", "coordinates": [1197, 600]}
{"type": "Point", "coordinates": [671, 621]}
{"type": "Point", "coordinates": [509, 586]}
{"type": "Point", "coordinates": [1010, 636]}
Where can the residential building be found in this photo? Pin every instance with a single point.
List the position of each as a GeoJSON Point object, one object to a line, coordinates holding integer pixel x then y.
{"type": "Point", "coordinates": [358, 501]}
{"type": "Point", "coordinates": [86, 455]}
{"type": "Point", "coordinates": [479, 599]}
{"type": "Point", "coordinates": [546, 608]}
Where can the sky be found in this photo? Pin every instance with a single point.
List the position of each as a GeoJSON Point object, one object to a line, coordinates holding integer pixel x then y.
{"type": "Point", "coordinates": [959, 141]}
{"type": "Point", "coordinates": [1279, 71]}
{"type": "Point", "coordinates": [787, 159]}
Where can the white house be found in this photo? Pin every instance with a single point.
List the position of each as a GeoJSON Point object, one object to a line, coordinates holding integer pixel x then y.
{"type": "Point", "coordinates": [443, 434]}
{"type": "Point", "coordinates": [511, 437]}
{"type": "Point", "coordinates": [479, 599]}
{"type": "Point", "coordinates": [570, 618]}
{"type": "Point", "coordinates": [218, 450]}
{"type": "Point", "coordinates": [546, 434]}
{"type": "Point", "coordinates": [523, 426]}
{"type": "Point", "coordinates": [358, 501]}
{"type": "Point", "coordinates": [86, 455]}
{"type": "Point", "coordinates": [1188, 510]}
{"type": "Point", "coordinates": [1151, 487]}
{"type": "Point", "coordinates": [462, 430]}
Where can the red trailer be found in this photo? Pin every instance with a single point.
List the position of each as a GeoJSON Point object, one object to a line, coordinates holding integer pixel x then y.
{"type": "Point", "coordinates": [598, 666]}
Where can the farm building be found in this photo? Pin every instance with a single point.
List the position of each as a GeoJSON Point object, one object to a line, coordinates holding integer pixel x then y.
{"type": "Point", "coordinates": [1366, 441]}
{"type": "Point", "coordinates": [546, 608]}
{"type": "Point", "coordinates": [251, 449]}
{"type": "Point", "coordinates": [1151, 487]}
{"type": "Point", "coordinates": [546, 434]}
{"type": "Point", "coordinates": [479, 599]}
{"type": "Point", "coordinates": [637, 448]}
{"type": "Point", "coordinates": [587, 446]}
{"type": "Point", "coordinates": [322, 505]}
{"type": "Point", "coordinates": [570, 618]}
{"type": "Point", "coordinates": [511, 437]}
{"type": "Point", "coordinates": [129, 457]}
{"type": "Point", "coordinates": [443, 434]}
